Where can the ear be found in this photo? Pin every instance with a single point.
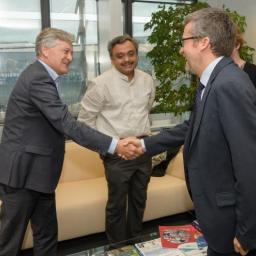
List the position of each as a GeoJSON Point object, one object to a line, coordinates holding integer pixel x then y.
{"type": "Point", "coordinates": [45, 51]}
{"type": "Point", "coordinates": [205, 43]}
{"type": "Point", "coordinates": [238, 46]}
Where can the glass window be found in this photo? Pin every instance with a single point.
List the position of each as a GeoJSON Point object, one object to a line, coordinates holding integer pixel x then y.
{"type": "Point", "coordinates": [80, 19]}
{"type": "Point", "coordinates": [19, 25]}
{"type": "Point", "coordinates": [141, 14]}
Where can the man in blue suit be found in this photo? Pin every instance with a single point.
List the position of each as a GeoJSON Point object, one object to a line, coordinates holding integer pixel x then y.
{"type": "Point", "coordinates": [32, 148]}
{"type": "Point", "coordinates": [220, 137]}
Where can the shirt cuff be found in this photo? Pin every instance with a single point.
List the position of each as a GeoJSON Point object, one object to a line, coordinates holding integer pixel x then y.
{"type": "Point", "coordinates": [112, 147]}
{"type": "Point", "coordinates": [143, 145]}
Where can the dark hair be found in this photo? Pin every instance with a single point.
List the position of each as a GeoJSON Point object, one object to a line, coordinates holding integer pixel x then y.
{"type": "Point", "coordinates": [120, 40]}
{"type": "Point", "coordinates": [215, 24]}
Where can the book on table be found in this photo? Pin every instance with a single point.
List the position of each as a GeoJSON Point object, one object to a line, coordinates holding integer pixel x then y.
{"type": "Point", "coordinates": [182, 240]}
{"type": "Point", "coordinates": [154, 248]}
{"type": "Point", "coordinates": [185, 238]}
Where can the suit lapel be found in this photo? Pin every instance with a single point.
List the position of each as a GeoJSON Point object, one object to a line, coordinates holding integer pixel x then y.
{"type": "Point", "coordinates": [197, 119]}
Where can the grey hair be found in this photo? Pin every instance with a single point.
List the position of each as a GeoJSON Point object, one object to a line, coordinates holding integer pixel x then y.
{"type": "Point", "coordinates": [120, 40]}
{"type": "Point", "coordinates": [215, 24]}
{"type": "Point", "coordinates": [48, 38]}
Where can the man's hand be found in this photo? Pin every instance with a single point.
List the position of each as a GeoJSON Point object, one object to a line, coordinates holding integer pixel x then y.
{"type": "Point", "coordinates": [238, 247]}
{"type": "Point", "coordinates": [129, 148]}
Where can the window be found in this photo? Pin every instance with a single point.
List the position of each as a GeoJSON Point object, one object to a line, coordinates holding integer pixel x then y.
{"type": "Point", "coordinates": [80, 19]}
{"type": "Point", "coordinates": [141, 14]}
{"type": "Point", "coordinates": [92, 22]}
{"type": "Point", "coordinates": [19, 25]}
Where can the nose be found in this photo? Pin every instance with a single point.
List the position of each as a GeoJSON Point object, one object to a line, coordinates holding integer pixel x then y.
{"type": "Point", "coordinates": [70, 56]}
{"type": "Point", "coordinates": [181, 50]}
{"type": "Point", "coordinates": [126, 57]}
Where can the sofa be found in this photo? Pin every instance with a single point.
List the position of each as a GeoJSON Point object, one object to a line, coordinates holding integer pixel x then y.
{"type": "Point", "coordinates": [81, 194]}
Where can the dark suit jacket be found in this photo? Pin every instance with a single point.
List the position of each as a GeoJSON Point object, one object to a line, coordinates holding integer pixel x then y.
{"type": "Point", "coordinates": [250, 69]}
{"type": "Point", "coordinates": [32, 148]}
{"type": "Point", "coordinates": [220, 157]}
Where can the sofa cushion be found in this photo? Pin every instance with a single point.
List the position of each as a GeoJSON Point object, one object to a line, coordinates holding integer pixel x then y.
{"type": "Point", "coordinates": [80, 163]}
{"type": "Point", "coordinates": [166, 195]}
{"type": "Point", "coordinates": [81, 204]}
{"type": "Point", "coordinates": [81, 207]}
{"type": "Point", "coordinates": [176, 166]}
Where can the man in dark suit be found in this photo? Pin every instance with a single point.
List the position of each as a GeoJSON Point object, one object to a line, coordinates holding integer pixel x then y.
{"type": "Point", "coordinates": [220, 137]}
{"type": "Point", "coordinates": [32, 148]}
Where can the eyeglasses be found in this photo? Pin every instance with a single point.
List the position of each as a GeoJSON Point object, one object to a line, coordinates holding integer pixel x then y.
{"type": "Point", "coordinates": [187, 38]}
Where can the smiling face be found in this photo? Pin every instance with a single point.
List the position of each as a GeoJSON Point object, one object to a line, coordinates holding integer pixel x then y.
{"type": "Point", "coordinates": [125, 58]}
{"type": "Point", "coordinates": [58, 57]}
{"type": "Point", "coordinates": [190, 50]}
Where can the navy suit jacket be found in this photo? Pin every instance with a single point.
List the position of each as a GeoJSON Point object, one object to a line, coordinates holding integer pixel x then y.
{"type": "Point", "coordinates": [33, 144]}
{"type": "Point", "coordinates": [220, 157]}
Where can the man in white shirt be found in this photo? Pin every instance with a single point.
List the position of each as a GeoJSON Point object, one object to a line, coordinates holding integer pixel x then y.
{"type": "Point", "coordinates": [118, 103]}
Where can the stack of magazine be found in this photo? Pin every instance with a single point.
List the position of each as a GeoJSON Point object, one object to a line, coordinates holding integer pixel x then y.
{"type": "Point", "coordinates": [185, 240]}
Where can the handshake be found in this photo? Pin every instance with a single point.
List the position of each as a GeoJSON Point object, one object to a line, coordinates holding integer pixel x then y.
{"type": "Point", "coordinates": [129, 148]}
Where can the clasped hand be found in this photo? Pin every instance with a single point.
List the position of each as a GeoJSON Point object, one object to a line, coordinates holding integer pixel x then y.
{"type": "Point", "coordinates": [129, 148]}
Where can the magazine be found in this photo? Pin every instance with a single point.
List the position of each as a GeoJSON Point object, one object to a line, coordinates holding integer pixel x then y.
{"type": "Point", "coordinates": [128, 250]}
{"type": "Point", "coordinates": [185, 238]}
{"type": "Point", "coordinates": [174, 236]}
{"type": "Point", "coordinates": [154, 248]}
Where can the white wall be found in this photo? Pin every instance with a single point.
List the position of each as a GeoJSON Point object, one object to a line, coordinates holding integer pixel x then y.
{"type": "Point", "coordinates": [245, 8]}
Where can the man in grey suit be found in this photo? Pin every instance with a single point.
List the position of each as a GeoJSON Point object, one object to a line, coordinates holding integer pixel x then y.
{"type": "Point", "coordinates": [32, 148]}
{"type": "Point", "coordinates": [220, 137]}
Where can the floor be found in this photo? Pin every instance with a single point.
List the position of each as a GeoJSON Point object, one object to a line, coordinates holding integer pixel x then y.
{"type": "Point", "coordinates": [91, 241]}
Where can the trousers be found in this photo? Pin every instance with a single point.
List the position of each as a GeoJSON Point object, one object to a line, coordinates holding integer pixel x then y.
{"type": "Point", "coordinates": [127, 193]}
{"type": "Point", "coordinates": [18, 207]}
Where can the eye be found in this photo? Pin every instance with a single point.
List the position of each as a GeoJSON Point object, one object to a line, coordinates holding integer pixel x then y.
{"type": "Point", "coordinates": [131, 54]}
{"type": "Point", "coordinates": [119, 56]}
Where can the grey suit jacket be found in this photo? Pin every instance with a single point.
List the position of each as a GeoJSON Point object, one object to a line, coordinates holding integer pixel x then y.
{"type": "Point", "coordinates": [32, 148]}
{"type": "Point", "coordinates": [220, 157]}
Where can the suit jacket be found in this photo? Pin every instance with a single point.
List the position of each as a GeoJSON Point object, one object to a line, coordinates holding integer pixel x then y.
{"type": "Point", "coordinates": [32, 148]}
{"type": "Point", "coordinates": [220, 157]}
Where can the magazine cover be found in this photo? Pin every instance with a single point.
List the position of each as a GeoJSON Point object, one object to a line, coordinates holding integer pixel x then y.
{"type": "Point", "coordinates": [154, 247]}
{"type": "Point", "coordinates": [185, 236]}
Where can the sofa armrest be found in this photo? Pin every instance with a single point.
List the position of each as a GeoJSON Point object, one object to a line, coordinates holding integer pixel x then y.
{"type": "Point", "coordinates": [176, 166]}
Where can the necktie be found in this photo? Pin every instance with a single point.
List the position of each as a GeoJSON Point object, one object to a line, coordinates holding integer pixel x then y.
{"type": "Point", "coordinates": [199, 90]}
{"type": "Point", "coordinates": [198, 100]}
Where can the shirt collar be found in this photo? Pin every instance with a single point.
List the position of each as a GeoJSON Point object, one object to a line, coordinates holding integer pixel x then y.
{"type": "Point", "coordinates": [208, 71]}
{"type": "Point", "coordinates": [51, 71]}
{"type": "Point", "coordinates": [122, 76]}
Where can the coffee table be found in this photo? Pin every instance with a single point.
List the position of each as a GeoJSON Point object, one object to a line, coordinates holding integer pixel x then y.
{"type": "Point", "coordinates": [101, 250]}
